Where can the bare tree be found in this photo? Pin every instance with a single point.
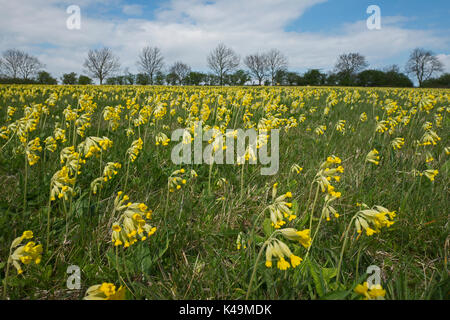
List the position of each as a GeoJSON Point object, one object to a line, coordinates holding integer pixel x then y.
{"type": "Point", "coordinates": [257, 64]}
{"type": "Point", "coordinates": [276, 61]}
{"type": "Point", "coordinates": [222, 60]}
{"type": "Point", "coordinates": [17, 63]}
{"type": "Point", "coordinates": [180, 71]}
{"type": "Point", "coordinates": [351, 63]}
{"type": "Point", "coordinates": [150, 61]}
{"type": "Point", "coordinates": [30, 66]}
{"type": "Point", "coordinates": [423, 64]}
{"type": "Point", "coordinates": [101, 63]}
{"type": "Point", "coordinates": [12, 59]}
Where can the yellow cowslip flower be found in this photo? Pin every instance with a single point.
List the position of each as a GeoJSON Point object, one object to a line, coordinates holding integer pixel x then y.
{"type": "Point", "coordinates": [162, 139]}
{"type": "Point", "coordinates": [340, 126]}
{"type": "Point", "coordinates": [62, 184]}
{"type": "Point", "coordinates": [280, 250]}
{"type": "Point", "coordinates": [132, 224]}
{"type": "Point", "coordinates": [372, 220]}
{"type": "Point", "coordinates": [280, 209]}
{"type": "Point", "coordinates": [94, 145]}
{"type": "Point", "coordinates": [429, 138]}
{"type": "Point", "coordinates": [374, 292]}
{"type": "Point", "coordinates": [373, 157]}
{"type": "Point", "coordinates": [25, 254]}
{"type": "Point", "coordinates": [320, 129]}
{"type": "Point", "coordinates": [296, 168]}
{"type": "Point", "coordinates": [32, 147]}
{"type": "Point", "coordinates": [429, 157]}
{"type": "Point", "coordinates": [381, 126]}
{"type": "Point", "coordinates": [105, 291]}
{"type": "Point", "coordinates": [302, 237]}
{"type": "Point", "coordinates": [430, 174]}
{"type": "Point", "coordinates": [363, 117]}
{"type": "Point", "coordinates": [398, 143]}
{"type": "Point", "coordinates": [133, 151]}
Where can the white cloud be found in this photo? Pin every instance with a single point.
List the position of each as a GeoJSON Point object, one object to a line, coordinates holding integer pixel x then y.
{"type": "Point", "coordinates": [132, 9]}
{"type": "Point", "coordinates": [188, 29]}
{"type": "Point", "coordinates": [445, 59]}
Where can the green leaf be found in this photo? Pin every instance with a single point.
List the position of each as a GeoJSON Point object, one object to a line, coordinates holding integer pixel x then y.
{"type": "Point", "coordinates": [267, 227]}
{"type": "Point", "coordinates": [316, 278]}
{"type": "Point", "coordinates": [336, 295]}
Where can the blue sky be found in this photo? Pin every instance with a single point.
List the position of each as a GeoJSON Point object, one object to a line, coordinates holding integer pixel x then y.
{"type": "Point", "coordinates": [312, 33]}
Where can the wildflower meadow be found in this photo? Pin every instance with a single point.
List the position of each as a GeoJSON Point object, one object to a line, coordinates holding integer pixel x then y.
{"type": "Point", "coordinates": [93, 205]}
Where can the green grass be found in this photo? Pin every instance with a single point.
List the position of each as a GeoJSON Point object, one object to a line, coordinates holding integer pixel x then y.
{"type": "Point", "coordinates": [193, 254]}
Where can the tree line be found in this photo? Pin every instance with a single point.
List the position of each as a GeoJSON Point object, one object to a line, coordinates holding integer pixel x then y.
{"type": "Point", "coordinates": [260, 68]}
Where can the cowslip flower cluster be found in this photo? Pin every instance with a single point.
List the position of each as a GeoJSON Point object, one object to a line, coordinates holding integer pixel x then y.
{"type": "Point", "coordinates": [375, 292]}
{"type": "Point", "coordinates": [134, 150]}
{"type": "Point", "coordinates": [373, 157]}
{"type": "Point", "coordinates": [109, 172]}
{"type": "Point", "coordinates": [280, 209]}
{"type": "Point", "coordinates": [105, 291]}
{"type": "Point", "coordinates": [329, 169]}
{"type": "Point", "coordinates": [94, 146]}
{"type": "Point", "coordinates": [132, 223]}
{"type": "Point", "coordinates": [372, 220]}
{"type": "Point", "coordinates": [296, 168]}
{"type": "Point", "coordinates": [25, 254]}
{"type": "Point", "coordinates": [280, 250]}
{"type": "Point", "coordinates": [397, 143]}
{"type": "Point", "coordinates": [176, 180]}
{"type": "Point", "coordinates": [430, 174]}
{"type": "Point", "coordinates": [62, 184]}
{"type": "Point", "coordinates": [31, 149]}
{"type": "Point", "coordinates": [161, 138]}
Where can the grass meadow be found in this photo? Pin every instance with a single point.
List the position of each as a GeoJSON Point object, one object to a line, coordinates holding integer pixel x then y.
{"type": "Point", "coordinates": [363, 181]}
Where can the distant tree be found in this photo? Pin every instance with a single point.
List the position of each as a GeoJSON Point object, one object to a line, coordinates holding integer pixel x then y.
{"type": "Point", "coordinates": [150, 62]}
{"type": "Point", "coordinates": [347, 67]}
{"type": "Point", "coordinates": [142, 79]}
{"type": "Point", "coordinates": [371, 78]}
{"type": "Point", "coordinates": [16, 63]}
{"type": "Point", "coordinates": [195, 78]}
{"type": "Point", "coordinates": [172, 79]}
{"type": "Point", "coordinates": [276, 61]}
{"type": "Point", "coordinates": [84, 80]}
{"type": "Point", "coordinates": [281, 78]}
{"type": "Point", "coordinates": [128, 77]}
{"type": "Point", "coordinates": [69, 78]}
{"type": "Point", "coordinates": [397, 79]}
{"type": "Point", "coordinates": [238, 78]}
{"type": "Point", "coordinates": [442, 82]}
{"type": "Point", "coordinates": [314, 77]}
{"type": "Point", "coordinates": [257, 64]}
{"type": "Point", "coordinates": [332, 79]}
{"type": "Point", "coordinates": [423, 64]}
{"type": "Point", "coordinates": [222, 60]}
{"type": "Point", "coordinates": [212, 79]}
{"type": "Point", "coordinates": [43, 77]}
{"type": "Point", "coordinates": [101, 63]}
{"type": "Point", "coordinates": [180, 71]}
{"type": "Point", "coordinates": [293, 79]}
{"type": "Point", "coordinates": [30, 66]}
{"type": "Point", "coordinates": [11, 62]}
{"type": "Point", "coordinates": [160, 78]}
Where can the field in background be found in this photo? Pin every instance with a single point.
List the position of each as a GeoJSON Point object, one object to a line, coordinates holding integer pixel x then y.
{"type": "Point", "coordinates": [203, 231]}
